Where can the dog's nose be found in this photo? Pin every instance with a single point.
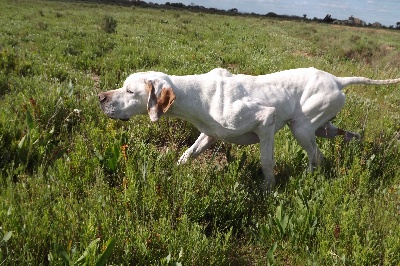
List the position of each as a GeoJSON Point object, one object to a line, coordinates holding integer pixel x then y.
{"type": "Point", "coordinates": [102, 97]}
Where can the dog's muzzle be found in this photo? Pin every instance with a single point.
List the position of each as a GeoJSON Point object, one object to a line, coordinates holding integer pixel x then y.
{"type": "Point", "coordinates": [107, 108]}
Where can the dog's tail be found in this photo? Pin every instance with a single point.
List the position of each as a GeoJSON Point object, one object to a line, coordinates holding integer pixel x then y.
{"type": "Point", "coordinates": [360, 80]}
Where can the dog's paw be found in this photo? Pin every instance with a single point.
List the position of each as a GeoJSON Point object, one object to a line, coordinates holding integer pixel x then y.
{"type": "Point", "coordinates": [267, 185]}
{"type": "Point", "coordinates": [351, 136]}
{"type": "Point", "coordinates": [184, 158]}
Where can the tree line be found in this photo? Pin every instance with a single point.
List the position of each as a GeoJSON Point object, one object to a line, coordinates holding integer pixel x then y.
{"type": "Point", "coordinates": [235, 12]}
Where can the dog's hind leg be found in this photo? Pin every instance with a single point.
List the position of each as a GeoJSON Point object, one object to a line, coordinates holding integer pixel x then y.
{"type": "Point", "coordinates": [330, 131]}
{"type": "Point", "coordinates": [316, 112]}
{"type": "Point", "coordinates": [307, 140]}
{"type": "Point", "coordinates": [202, 143]}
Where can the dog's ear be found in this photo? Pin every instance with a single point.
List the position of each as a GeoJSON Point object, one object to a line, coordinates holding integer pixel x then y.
{"type": "Point", "coordinates": [158, 105]}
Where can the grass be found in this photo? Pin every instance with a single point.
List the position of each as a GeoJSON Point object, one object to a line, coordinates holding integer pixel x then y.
{"type": "Point", "coordinates": [77, 187]}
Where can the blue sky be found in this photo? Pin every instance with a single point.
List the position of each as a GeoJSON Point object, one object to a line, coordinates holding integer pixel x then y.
{"type": "Point", "coordinates": [386, 12]}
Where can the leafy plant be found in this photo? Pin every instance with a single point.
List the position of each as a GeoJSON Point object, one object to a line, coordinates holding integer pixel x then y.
{"type": "Point", "coordinates": [270, 253]}
{"type": "Point", "coordinates": [6, 237]}
{"type": "Point", "coordinates": [3, 242]}
{"type": "Point", "coordinates": [38, 144]}
{"type": "Point", "coordinates": [281, 221]}
{"type": "Point", "coordinates": [109, 24]}
{"type": "Point", "coordinates": [89, 256]}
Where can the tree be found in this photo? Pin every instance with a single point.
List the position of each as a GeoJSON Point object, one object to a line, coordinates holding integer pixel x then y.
{"type": "Point", "coordinates": [328, 19]}
{"type": "Point", "coordinates": [272, 15]}
{"type": "Point", "coordinates": [398, 25]}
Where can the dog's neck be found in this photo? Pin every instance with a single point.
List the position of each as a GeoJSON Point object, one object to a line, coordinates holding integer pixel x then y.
{"type": "Point", "coordinates": [184, 106]}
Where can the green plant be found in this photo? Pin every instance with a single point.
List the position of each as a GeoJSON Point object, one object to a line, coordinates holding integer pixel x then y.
{"type": "Point", "coordinates": [270, 253]}
{"type": "Point", "coordinates": [89, 256]}
{"type": "Point", "coordinates": [109, 24]}
{"type": "Point", "coordinates": [3, 242]}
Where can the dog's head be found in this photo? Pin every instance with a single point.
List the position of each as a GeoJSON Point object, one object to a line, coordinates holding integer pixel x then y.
{"type": "Point", "coordinates": [149, 92]}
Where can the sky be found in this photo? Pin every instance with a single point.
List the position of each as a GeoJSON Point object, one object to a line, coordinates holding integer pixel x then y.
{"type": "Point", "coordinates": [386, 12]}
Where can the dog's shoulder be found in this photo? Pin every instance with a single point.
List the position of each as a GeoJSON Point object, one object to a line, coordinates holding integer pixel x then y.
{"type": "Point", "coordinates": [221, 72]}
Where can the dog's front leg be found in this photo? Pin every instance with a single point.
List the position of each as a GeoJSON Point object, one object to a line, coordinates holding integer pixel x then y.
{"type": "Point", "coordinates": [202, 143]}
{"type": "Point", "coordinates": [266, 132]}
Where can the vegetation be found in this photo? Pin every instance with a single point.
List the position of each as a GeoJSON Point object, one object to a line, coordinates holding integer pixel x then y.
{"type": "Point", "coordinates": [235, 12]}
{"type": "Point", "coordinates": [79, 188]}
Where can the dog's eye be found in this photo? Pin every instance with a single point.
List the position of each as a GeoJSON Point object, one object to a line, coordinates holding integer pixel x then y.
{"type": "Point", "coordinates": [129, 91]}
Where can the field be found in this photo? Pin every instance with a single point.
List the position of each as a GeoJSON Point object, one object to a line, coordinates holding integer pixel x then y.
{"type": "Point", "coordinates": [79, 188]}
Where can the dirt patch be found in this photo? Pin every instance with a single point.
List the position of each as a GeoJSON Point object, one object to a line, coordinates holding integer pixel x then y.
{"type": "Point", "coordinates": [303, 54]}
{"type": "Point", "coordinates": [96, 80]}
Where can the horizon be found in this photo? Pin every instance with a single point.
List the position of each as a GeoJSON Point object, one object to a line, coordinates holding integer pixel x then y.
{"type": "Point", "coordinates": [370, 11]}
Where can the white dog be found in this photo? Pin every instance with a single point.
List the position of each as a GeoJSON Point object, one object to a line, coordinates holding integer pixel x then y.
{"type": "Point", "coordinates": [241, 109]}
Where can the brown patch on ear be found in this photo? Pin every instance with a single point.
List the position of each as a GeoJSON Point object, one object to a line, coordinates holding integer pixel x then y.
{"type": "Point", "coordinates": [149, 87]}
{"type": "Point", "coordinates": [166, 99]}
{"type": "Point", "coordinates": [157, 106]}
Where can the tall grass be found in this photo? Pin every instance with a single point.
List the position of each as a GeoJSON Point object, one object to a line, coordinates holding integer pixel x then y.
{"type": "Point", "coordinates": [77, 187]}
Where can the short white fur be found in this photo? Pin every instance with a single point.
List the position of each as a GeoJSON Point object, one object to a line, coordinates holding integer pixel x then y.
{"type": "Point", "coordinates": [241, 109]}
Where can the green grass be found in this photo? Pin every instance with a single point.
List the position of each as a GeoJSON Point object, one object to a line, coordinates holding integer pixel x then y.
{"type": "Point", "coordinates": [77, 187]}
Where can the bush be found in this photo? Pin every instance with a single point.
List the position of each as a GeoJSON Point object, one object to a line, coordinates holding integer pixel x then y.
{"type": "Point", "coordinates": [109, 24]}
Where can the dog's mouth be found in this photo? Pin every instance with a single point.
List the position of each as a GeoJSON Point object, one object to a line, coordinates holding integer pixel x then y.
{"type": "Point", "coordinates": [118, 118]}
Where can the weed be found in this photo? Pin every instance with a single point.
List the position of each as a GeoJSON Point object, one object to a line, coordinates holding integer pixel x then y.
{"type": "Point", "coordinates": [88, 257]}
{"type": "Point", "coordinates": [109, 24]}
{"type": "Point", "coordinates": [3, 248]}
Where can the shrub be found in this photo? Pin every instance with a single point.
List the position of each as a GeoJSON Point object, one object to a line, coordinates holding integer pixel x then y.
{"type": "Point", "coordinates": [109, 24]}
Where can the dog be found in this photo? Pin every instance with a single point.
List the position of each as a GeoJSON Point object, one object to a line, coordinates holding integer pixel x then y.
{"type": "Point", "coordinates": [241, 109]}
